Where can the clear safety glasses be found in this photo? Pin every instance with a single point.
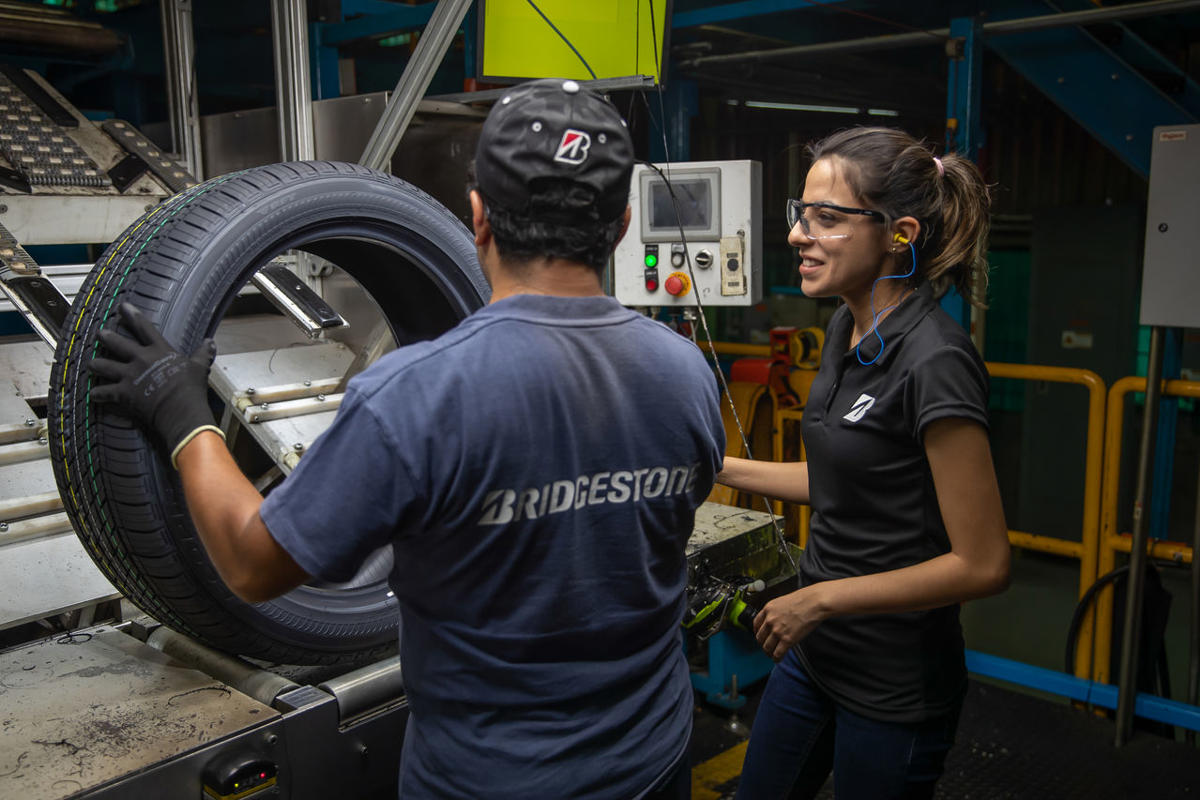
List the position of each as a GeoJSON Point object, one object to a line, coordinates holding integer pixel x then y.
{"type": "Point", "coordinates": [825, 220]}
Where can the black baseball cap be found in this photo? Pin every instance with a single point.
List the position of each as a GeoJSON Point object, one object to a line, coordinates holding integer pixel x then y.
{"type": "Point", "coordinates": [554, 128]}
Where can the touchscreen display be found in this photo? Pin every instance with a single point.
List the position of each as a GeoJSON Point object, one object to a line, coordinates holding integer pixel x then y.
{"type": "Point", "coordinates": [694, 201]}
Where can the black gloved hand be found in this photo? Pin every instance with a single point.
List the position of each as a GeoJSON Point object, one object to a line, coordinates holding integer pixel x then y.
{"type": "Point", "coordinates": [154, 382]}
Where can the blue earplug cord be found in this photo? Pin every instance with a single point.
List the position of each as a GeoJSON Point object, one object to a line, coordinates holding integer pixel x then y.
{"type": "Point", "coordinates": [875, 315]}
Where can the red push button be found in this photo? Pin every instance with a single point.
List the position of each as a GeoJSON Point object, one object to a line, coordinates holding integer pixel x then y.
{"type": "Point", "coordinates": [677, 284]}
{"type": "Point", "coordinates": [651, 285]}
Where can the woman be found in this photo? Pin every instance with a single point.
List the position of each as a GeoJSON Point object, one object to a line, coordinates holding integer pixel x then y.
{"type": "Point", "coordinates": [907, 520]}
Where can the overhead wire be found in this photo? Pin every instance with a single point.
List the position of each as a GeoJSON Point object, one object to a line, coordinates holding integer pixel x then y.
{"type": "Point", "coordinates": [562, 36]}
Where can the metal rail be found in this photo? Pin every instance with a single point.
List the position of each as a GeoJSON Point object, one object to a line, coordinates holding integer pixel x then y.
{"type": "Point", "coordinates": [1135, 588]}
{"type": "Point", "coordinates": [1087, 549]}
{"type": "Point", "coordinates": [414, 81]}
{"type": "Point", "coordinates": [940, 35]}
{"type": "Point", "coordinates": [179, 49]}
{"type": "Point", "coordinates": [293, 86]}
{"type": "Point", "coordinates": [1111, 541]}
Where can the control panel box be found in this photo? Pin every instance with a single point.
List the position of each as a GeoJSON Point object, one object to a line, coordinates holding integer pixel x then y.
{"type": "Point", "coordinates": [710, 214]}
{"type": "Point", "coordinates": [1170, 292]}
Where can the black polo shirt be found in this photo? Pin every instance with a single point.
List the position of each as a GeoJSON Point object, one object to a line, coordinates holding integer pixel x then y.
{"type": "Point", "coordinates": [875, 508]}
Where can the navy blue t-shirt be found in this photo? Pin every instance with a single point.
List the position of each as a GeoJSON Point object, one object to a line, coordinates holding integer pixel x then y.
{"type": "Point", "coordinates": [536, 471]}
{"type": "Point", "coordinates": [875, 507]}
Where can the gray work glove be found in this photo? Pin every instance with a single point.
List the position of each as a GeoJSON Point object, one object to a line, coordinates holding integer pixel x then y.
{"type": "Point", "coordinates": [154, 382]}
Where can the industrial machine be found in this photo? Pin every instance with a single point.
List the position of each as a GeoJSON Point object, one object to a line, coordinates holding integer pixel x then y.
{"type": "Point", "coordinates": [694, 238]}
{"type": "Point", "coordinates": [141, 708]}
{"type": "Point", "coordinates": [736, 562]}
{"type": "Point", "coordinates": [63, 180]}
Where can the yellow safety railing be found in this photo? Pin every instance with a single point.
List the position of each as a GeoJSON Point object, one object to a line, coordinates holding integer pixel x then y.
{"type": "Point", "coordinates": [1111, 541]}
{"type": "Point", "coordinates": [1086, 550]}
{"type": "Point", "coordinates": [739, 349]}
{"type": "Point", "coordinates": [804, 510]}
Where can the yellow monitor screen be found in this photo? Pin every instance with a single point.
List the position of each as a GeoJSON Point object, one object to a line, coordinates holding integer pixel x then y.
{"type": "Point", "coordinates": [615, 38]}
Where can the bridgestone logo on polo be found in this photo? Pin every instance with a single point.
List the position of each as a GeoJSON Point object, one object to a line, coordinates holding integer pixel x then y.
{"type": "Point", "coordinates": [860, 408]}
{"type": "Point", "coordinates": [502, 506]}
{"type": "Point", "coordinates": [573, 148]}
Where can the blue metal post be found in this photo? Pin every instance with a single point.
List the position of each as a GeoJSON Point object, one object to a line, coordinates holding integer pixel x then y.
{"type": "Point", "coordinates": [681, 103]}
{"type": "Point", "coordinates": [964, 130]}
{"type": "Point", "coordinates": [471, 44]}
{"type": "Point", "coordinates": [323, 61]}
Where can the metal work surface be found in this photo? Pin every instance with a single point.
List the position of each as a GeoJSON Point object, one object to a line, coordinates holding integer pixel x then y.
{"type": "Point", "coordinates": [736, 542]}
{"type": "Point", "coordinates": [116, 707]}
{"type": "Point", "coordinates": [716, 523]}
{"type": "Point", "coordinates": [47, 576]}
{"type": "Point", "coordinates": [27, 493]}
{"type": "Point", "coordinates": [43, 568]}
{"type": "Point", "coordinates": [283, 397]}
{"type": "Point", "coordinates": [25, 368]}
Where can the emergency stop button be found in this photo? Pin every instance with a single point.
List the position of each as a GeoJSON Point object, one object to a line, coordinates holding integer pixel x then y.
{"type": "Point", "coordinates": [677, 284]}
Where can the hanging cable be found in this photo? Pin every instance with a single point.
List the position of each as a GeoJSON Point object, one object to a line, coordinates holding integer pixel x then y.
{"type": "Point", "coordinates": [783, 544]}
{"type": "Point", "coordinates": [564, 38]}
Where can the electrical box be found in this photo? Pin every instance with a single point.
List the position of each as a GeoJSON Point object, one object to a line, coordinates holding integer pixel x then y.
{"type": "Point", "coordinates": [1170, 291]}
{"type": "Point", "coordinates": [718, 205]}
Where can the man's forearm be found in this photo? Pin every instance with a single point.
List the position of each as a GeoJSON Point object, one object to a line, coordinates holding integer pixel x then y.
{"type": "Point", "coordinates": [224, 507]}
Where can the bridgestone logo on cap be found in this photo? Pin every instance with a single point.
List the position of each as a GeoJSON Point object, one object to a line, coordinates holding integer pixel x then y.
{"type": "Point", "coordinates": [573, 149]}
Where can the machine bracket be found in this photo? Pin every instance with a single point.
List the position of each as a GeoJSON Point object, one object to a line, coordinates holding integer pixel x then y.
{"type": "Point", "coordinates": [174, 175]}
{"type": "Point", "coordinates": [31, 293]}
{"type": "Point", "coordinates": [127, 170]}
{"type": "Point", "coordinates": [296, 300]}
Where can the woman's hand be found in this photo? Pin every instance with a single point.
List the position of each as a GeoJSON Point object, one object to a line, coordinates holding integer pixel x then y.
{"type": "Point", "coordinates": [786, 620]}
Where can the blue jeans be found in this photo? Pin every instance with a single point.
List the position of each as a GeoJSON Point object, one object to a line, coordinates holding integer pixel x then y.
{"type": "Point", "coordinates": [800, 734]}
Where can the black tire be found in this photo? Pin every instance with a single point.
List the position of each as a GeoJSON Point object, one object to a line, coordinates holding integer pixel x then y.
{"type": "Point", "coordinates": [182, 264]}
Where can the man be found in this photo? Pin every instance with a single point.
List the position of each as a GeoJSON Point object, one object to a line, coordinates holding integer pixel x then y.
{"type": "Point", "coordinates": [535, 470]}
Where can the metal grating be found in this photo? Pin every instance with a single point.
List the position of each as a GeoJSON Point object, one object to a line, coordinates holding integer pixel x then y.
{"type": "Point", "coordinates": [40, 150]}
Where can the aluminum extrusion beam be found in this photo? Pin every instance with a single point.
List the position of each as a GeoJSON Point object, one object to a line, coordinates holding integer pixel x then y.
{"type": "Point", "coordinates": [418, 72]}
{"type": "Point", "coordinates": [180, 50]}
{"type": "Point", "coordinates": [1089, 16]}
{"type": "Point", "coordinates": [1131, 635]}
{"type": "Point", "coordinates": [293, 84]}
{"type": "Point", "coordinates": [600, 86]}
{"type": "Point", "coordinates": [916, 38]}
